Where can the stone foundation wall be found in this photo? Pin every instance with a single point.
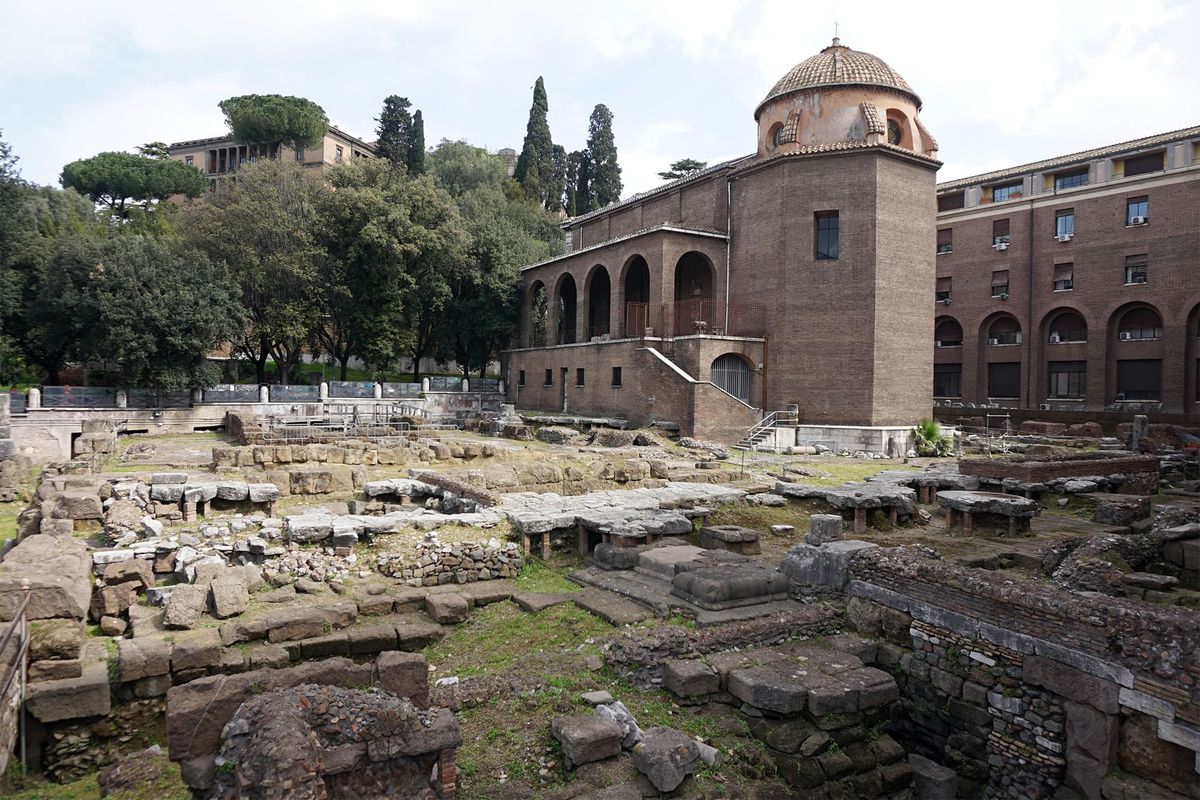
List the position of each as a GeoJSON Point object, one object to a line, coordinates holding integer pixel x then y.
{"type": "Point", "coordinates": [1033, 471]}
{"type": "Point", "coordinates": [436, 564]}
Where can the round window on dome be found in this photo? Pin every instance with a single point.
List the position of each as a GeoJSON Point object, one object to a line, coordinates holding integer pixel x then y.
{"type": "Point", "coordinates": [895, 134]}
{"type": "Point", "coordinates": [776, 134]}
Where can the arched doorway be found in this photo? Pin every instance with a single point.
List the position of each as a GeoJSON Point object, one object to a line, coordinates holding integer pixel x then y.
{"type": "Point", "coordinates": [1068, 327]}
{"type": "Point", "coordinates": [948, 333]}
{"type": "Point", "coordinates": [637, 297]}
{"type": "Point", "coordinates": [1135, 358]}
{"type": "Point", "coordinates": [731, 373]}
{"type": "Point", "coordinates": [565, 305]}
{"type": "Point", "coordinates": [599, 292]}
{"type": "Point", "coordinates": [539, 311]}
{"type": "Point", "coordinates": [695, 309]}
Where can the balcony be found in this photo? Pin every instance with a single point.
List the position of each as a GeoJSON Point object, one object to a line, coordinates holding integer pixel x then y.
{"type": "Point", "coordinates": [694, 318]}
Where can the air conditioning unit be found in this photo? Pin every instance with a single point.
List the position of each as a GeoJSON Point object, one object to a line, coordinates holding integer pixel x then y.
{"type": "Point", "coordinates": [1004, 295]}
{"type": "Point", "coordinates": [1138, 220]}
{"type": "Point", "coordinates": [945, 302]}
{"type": "Point", "coordinates": [1043, 407]}
{"type": "Point", "coordinates": [1000, 246]}
{"type": "Point", "coordinates": [993, 342]}
{"type": "Point", "coordinates": [1064, 237]}
{"type": "Point", "coordinates": [1121, 396]}
{"type": "Point", "coordinates": [1055, 339]}
{"type": "Point", "coordinates": [1126, 336]}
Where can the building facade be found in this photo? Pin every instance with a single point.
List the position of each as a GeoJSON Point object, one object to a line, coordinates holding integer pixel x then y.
{"type": "Point", "coordinates": [797, 276]}
{"type": "Point", "coordinates": [1072, 283]}
{"type": "Point", "coordinates": [222, 155]}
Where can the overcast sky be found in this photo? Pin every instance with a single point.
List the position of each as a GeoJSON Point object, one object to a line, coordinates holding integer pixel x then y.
{"type": "Point", "coordinates": [1002, 83]}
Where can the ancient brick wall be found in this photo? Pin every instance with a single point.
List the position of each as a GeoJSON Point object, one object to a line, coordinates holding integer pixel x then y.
{"type": "Point", "coordinates": [1035, 471]}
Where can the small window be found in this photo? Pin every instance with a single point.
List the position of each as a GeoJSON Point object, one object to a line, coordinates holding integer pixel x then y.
{"type": "Point", "coordinates": [1064, 277]}
{"type": "Point", "coordinates": [1140, 165]}
{"type": "Point", "coordinates": [1064, 223]}
{"type": "Point", "coordinates": [338, 154]}
{"type": "Point", "coordinates": [1135, 269]}
{"type": "Point", "coordinates": [895, 133]}
{"type": "Point", "coordinates": [776, 134]}
{"type": "Point", "coordinates": [1137, 211]}
{"type": "Point", "coordinates": [521, 378]}
{"type": "Point", "coordinates": [825, 224]}
{"type": "Point", "coordinates": [1000, 284]}
{"type": "Point", "coordinates": [1069, 180]}
{"type": "Point", "coordinates": [1009, 191]}
{"type": "Point", "coordinates": [1139, 379]}
{"type": "Point", "coordinates": [616, 376]}
{"type": "Point", "coordinates": [579, 376]}
{"type": "Point", "coordinates": [189, 160]}
{"type": "Point", "coordinates": [549, 377]}
{"type": "Point", "coordinates": [300, 154]}
{"type": "Point", "coordinates": [1004, 380]}
{"type": "Point", "coordinates": [945, 240]}
{"type": "Point", "coordinates": [943, 290]}
{"type": "Point", "coordinates": [1000, 235]}
{"type": "Point", "coordinates": [950, 202]}
{"type": "Point", "coordinates": [1067, 380]}
{"type": "Point", "coordinates": [947, 380]}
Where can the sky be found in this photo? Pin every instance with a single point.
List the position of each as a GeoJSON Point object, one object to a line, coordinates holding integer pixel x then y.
{"type": "Point", "coordinates": [1002, 83]}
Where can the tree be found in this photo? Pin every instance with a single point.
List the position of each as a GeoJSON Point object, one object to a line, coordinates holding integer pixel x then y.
{"type": "Point", "coordinates": [459, 167]}
{"type": "Point", "coordinates": [159, 309]}
{"type": "Point", "coordinates": [585, 197]}
{"type": "Point", "coordinates": [682, 168]}
{"type": "Point", "coordinates": [604, 174]}
{"type": "Point", "coordinates": [557, 180]}
{"type": "Point", "coordinates": [416, 145]}
{"type": "Point", "coordinates": [12, 194]}
{"type": "Point", "coordinates": [155, 150]}
{"type": "Point", "coordinates": [275, 120]}
{"type": "Point", "coordinates": [395, 131]}
{"type": "Point", "coordinates": [571, 182]}
{"type": "Point", "coordinates": [262, 227]}
{"type": "Point", "coordinates": [535, 165]}
{"type": "Point", "coordinates": [119, 180]}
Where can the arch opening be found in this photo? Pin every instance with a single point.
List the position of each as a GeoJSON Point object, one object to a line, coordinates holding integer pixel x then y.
{"type": "Point", "coordinates": [1067, 327]}
{"type": "Point", "coordinates": [732, 374]}
{"type": "Point", "coordinates": [637, 296]}
{"type": "Point", "coordinates": [695, 309]}
{"type": "Point", "coordinates": [948, 333]}
{"type": "Point", "coordinates": [539, 310]}
{"type": "Point", "coordinates": [1004, 331]}
{"type": "Point", "coordinates": [599, 300]}
{"type": "Point", "coordinates": [1140, 324]}
{"type": "Point", "coordinates": [565, 306]}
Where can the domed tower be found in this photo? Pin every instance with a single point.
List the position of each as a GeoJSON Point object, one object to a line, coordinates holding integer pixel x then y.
{"type": "Point", "coordinates": [838, 96]}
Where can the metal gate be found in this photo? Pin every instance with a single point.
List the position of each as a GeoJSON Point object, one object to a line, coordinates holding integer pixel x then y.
{"type": "Point", "coordinates": [732, 373]}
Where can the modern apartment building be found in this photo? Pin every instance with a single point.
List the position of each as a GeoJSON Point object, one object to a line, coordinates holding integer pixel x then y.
{"type": "Point", "coordinates": [1073, 283]}
{"type": "Point", "coordinates": [221, 155]}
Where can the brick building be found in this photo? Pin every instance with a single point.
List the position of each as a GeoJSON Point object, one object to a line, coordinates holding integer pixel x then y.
{"type": "Point", "coordinates": [798, 276]}
{"type": "Point", "coordinates": [221, 155]}
{"type": "Point", "coordinates": [1071, 283]}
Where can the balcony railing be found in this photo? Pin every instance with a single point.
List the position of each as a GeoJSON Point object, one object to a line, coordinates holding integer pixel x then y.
{"type": "Point", "coordinates": [708, 317]}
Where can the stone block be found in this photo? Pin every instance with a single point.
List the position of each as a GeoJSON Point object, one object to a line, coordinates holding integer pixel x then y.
{"type": "Point", "coordinates": [932, 781]}
{"type": "Point", "coordinates": [371, 639]}
{"type": "Point", "coordinates": [142, 657]}
{"type": "Point", "coordinates": [827, 566]}
{"type": "Point", "coordinates": [186, 604]}
{"type": "Point", "coordinates": [418, 635]}
{"type": "Point", "coordinates": [306, 622]}
{"type": "Point", "coordinates": [631, 733]}
{"type": "Point", "coordinates": [196, 650]}
{"type": "Point", "coordinates": [768, 689]}
{"type": "Point", "coordinates": [447, 609]}
{"type": "Point", "coordinates": [690, 677]}
{"type": "Point", "coordinates": [134, 569]}
{"type": "Point", "coordinates": [586, 738]}
{"type": "Point", "coordinates": [1072, 683]}
{"type": "Point", "coordinates": [824, 528]}
{"type": "Point", "coordinates": [404, 675]}
{"type": "Point", "coordinates": [666, 756]}
{"type": "Point", "coordinates": [56, 570]}
{"type": "Point", "coordinates": [55, 639]}
{"type": "Point", "coordinates": [71, 698]}
{"type": "Point", "coordinates": [39, 671]}
{"type": "Point", "coordinates": [229, 594]}
{"type": "Point", "coordinates": [168, 478]}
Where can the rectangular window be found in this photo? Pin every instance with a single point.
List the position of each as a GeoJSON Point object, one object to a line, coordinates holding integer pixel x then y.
{"type": "Point", "coordinates": [945, 240]}
{"type": "Point", "coordinates": [549, 377]}
{"type": "Point", "coordinates": [1135, 269]}
{"type": "Point", "coordinates": [338, 154]}
{"type": "Point", "coordinates": [1064, 222]}
{"type": "Point", "coordinates": [1137, 211]}
{"type": "Point", "coordinates": [949, 202]}
{"type": "Point", "coordinates": [825, 224]}
{"type": "Point", "coordinates": [616, 376]}
{"type": "Point", "coordinates": [1004, 380]}
{"type": "Point", "coordinates": [1000, 283]}
{"type": "Point", "coordinates": [1140, 165]}
{"type": "Point", "coordinates": [579, 376]}
{"type": "Point", "coordinates": [1139, 379]}
{"type": "Point", "coordinates": [1000, 237]}
{"type": "Point", "coordinates": [1067, 379]}
{"type": "Point", "coordinates": [947, 380]}
{"type": "Point", "coordinates": [944, 286]}
{"type": "Point", "coordinates": [1064, 277]}
{"type": "Point", "coordinates": [1069, 180]}
{"type": "Point", "coordinates": [521, 378]}
{"type": "Point", "coordinates": [300, 154]}
{"type": "Point", "coordinates": [189, 160]}
{"type": "Point", "coordinates": [1010, 191]}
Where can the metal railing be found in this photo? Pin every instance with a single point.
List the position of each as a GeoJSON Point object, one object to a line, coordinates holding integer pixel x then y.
{"type": "Point", "coordinates": [79, 397]}
{"type": "Point", "coordinates": [708, 318]}
{"type": "Point", "coordinates": [293, 393]}
{"type": "Point", "coordinates": [17, 661]}
{"type": "Point", "coordinates": [401, 389]}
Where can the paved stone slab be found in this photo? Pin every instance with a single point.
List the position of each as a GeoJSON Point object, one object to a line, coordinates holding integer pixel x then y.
{"type": "Point", "coordinates": [611, 608]}
{"type": "Point", "coordinates": [690, 677]}
{"type": "Point", "coordinates": [72, 698]}
{"type": "Point", "coordinates": [533, 602]}
{"type": "Point", "coordinates": [447, 608]}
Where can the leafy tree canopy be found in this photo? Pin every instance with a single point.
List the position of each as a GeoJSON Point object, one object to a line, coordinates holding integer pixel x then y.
{"type": "Point", "coordinates": [275, 120]}
{"type": "Point", "coordinates": [604, 171]}
{"type": "Point", "coordinates": [395, 131]}
{"type": "Point", "coordinates": [155, 150]}
{"type": "Point", "coordinates": [117, 179]}
{"type": "Point", "coordinates": [682, 168]}
{"type": "Point", "coordinates": [459, 167]}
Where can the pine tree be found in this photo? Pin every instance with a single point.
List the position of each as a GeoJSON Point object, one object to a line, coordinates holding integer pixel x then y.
{"type": "Point", "coordinates": [538, 142]}
{"type": "Point", "coordinates": [416, 145]}
{"type": "Point", "coordinates": [605, 173]}
{"type": "Point", "coordinates": [682, 168]}
{"type": "Point", "coordinates": [395, 131]}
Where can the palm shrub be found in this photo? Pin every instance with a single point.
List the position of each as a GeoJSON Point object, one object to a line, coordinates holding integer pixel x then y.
{"type": "Point", "coordinates": [928, 439]}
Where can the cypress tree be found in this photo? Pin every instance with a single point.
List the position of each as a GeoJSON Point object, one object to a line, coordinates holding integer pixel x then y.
{"type": "Point", "coordinates": [538, 142]}
{"type": "Point", "coordinates": [585, 201]}
{"type": "Point", "coordinates": [605, 173]}
{"type": "Point", "coordinates": [395, 131]}
{"type": "Point", "coordinates": [570, 179]}
{"type": "Point", "coordinates": [416, 145]}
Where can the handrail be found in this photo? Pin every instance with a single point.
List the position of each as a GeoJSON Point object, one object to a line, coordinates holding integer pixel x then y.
{"type": "Point", "coordinates": [19, 626]}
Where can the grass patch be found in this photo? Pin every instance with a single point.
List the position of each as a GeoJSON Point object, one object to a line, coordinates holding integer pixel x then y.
{"type": "Point", "coordinates": [538, 576]}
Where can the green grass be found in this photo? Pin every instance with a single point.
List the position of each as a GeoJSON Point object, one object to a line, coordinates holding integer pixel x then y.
{"type": "Point", "coordinates": [538, 576]}
{"type": "Point", "coordinates": [168, 786]}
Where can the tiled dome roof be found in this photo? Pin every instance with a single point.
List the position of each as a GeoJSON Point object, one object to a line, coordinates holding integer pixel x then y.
{"type": "Point", "coordinates": [838, 65]}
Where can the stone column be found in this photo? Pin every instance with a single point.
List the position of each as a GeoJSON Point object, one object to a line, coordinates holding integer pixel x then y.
{"type": "Point", "coordinates": [33, 400]}
{"type": "Point", "coordinates": [466, 385]}
{"type": "Point", "coordinates": [1141, 424]}
{"type": "Point", "coordinates": [378, 391]}
{"type": "Point", "coordinates": [264, 394]}
{"type": "Point", "coordinates": [323, 391]}
{"type": "Point", "coordinates": [424, 384]}
{"type": "Point", "coordinates": [122, 399]}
